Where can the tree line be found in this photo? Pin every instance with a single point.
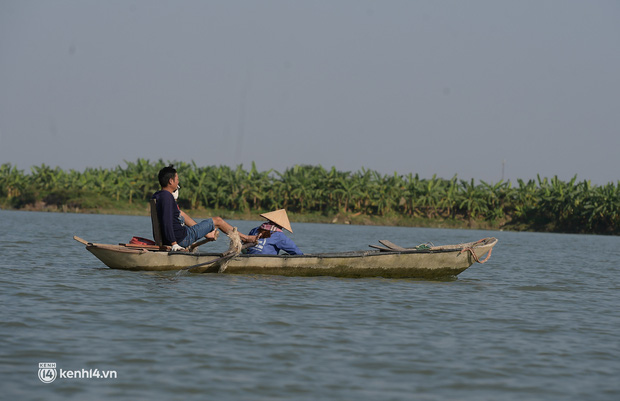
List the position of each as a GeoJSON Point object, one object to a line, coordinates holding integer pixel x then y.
{"type": "Point", "coordinates": [542, 204]}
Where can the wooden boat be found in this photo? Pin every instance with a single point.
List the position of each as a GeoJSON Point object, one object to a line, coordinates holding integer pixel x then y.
{"type": "Point", "coordinates": [389, 260]}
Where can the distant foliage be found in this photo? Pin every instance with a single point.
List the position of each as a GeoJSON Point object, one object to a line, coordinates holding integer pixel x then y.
{"type": "Point", "coordinates": [543, 204]}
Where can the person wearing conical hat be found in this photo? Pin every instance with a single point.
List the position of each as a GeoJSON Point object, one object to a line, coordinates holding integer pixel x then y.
{"type": "Point", "coordinates": [271, 238]}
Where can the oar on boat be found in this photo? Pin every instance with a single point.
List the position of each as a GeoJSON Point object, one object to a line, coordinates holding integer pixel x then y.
{"type": "Point", "coordinates": [392, 245]}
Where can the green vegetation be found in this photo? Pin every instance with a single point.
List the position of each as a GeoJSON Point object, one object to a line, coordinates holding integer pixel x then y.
{"type": "Point", "coordinates": [312, 193]}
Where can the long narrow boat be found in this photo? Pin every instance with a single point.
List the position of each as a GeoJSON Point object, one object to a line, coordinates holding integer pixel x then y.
{"type": "Point", "coordinates": [391, 261]}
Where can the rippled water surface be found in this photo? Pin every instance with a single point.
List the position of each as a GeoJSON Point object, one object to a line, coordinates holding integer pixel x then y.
{"type": "Point", "coordinates": [539, 321]}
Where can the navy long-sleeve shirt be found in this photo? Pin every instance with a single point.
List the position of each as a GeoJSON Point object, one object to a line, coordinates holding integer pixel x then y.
{"type": "Point", "coordinates": [168, 213]}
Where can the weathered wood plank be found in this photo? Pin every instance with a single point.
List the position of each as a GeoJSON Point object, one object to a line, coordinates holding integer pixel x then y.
{"type": "Point", "coordinates": [391, 245]}
{"type": "Point", "coordinates": [382, 249]}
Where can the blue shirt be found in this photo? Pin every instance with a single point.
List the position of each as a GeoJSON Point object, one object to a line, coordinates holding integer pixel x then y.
{"type": "Point", "coordinates": [168, 213]}
{"type": "Point", "coordinates": [272, 245]}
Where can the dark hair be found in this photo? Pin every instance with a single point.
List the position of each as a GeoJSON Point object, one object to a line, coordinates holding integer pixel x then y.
{"type": "Point", "coordinates": [165, 175]}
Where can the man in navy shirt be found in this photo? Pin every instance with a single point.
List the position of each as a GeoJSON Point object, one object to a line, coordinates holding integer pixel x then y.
{"type": "Point", "coordinates": [271, 238]}
{"type": "Point", "coordinates": [178, 229]}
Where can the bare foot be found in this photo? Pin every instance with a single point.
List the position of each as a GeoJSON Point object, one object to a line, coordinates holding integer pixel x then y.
{"type": "Point", "coordinates": [212, 236]}
{"type": "Point", "coordinates": [249, 238]}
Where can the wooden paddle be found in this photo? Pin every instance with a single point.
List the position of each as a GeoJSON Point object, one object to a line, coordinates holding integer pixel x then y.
{"type": "Point", "coordinates": [392, 245]}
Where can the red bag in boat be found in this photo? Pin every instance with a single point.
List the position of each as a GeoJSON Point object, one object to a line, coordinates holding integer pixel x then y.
{"type": "Point", "coordinates": [141, 241]}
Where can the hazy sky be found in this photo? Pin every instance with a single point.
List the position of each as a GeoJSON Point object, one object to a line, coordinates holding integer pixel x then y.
{"type": "Point", "coordinates": [427, 87]}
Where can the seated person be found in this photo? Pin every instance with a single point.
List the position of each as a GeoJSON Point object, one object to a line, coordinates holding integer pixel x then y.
{"type": "Point", "coordinates": [178, 229]}
{"type": "Point", "coordinates": [271, 239]}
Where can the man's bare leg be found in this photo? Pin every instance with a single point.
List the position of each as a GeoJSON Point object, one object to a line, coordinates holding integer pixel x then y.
{"type": "Point", "coordinates": [218, 222]}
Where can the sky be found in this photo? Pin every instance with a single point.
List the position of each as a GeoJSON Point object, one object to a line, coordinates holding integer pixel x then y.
{"type": "Point", "coordinates": [483, 89]}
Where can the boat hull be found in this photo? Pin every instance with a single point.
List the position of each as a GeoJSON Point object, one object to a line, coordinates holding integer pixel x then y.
{"type": "Point", "coordinates": [437, 262]}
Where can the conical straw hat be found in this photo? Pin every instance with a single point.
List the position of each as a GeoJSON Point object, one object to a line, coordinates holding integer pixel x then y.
{"type": "Point", "coordinates": [279, 217]}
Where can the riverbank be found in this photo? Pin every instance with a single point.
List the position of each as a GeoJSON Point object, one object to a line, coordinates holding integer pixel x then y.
{"type": "Point", "coordinates": [142, 209]}
{"type": "Point", "coordinates": [364, 197]}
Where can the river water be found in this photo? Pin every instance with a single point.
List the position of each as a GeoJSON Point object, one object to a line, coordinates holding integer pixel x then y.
{"type": "Point", "coordinates": [539, 321]}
